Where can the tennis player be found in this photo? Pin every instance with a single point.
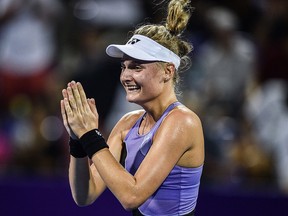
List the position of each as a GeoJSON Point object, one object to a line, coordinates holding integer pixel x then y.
{"type": "Point", "coordinates": [153, 159]}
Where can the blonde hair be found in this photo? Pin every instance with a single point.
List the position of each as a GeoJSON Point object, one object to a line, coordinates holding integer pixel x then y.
{"type": "Point", "coordinates": [169, 33]}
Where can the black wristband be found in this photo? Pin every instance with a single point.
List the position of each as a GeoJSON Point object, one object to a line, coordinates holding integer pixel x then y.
{"type": "Point", "coordinates": [92, 142]}
{"type": "Point", "coordinates": [76, 149]}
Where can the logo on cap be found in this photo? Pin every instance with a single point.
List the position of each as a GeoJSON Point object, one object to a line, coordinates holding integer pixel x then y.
{"type": "Point", "coordinates": [133, 41]}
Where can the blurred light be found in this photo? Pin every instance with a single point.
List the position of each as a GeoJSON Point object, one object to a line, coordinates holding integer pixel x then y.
{"type": "Point", "coordinates": [222, 18]}
{"type": "Point", "coordinates": [108, 12]}
{"type": "Point", "coordinates": [86, 10]}
{"type": "Point", "coordinates": [20, 106]}
{"type": "Point", "coordinates": [23, 134]}
{"type": "Point", "coordinates": [51, 128]}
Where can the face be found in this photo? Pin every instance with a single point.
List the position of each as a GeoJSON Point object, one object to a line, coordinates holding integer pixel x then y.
{"type": "Point", "coordinates": [143, 81]}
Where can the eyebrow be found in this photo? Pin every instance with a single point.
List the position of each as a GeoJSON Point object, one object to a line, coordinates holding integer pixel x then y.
{"type": "Point", "coordinates": [130, 64]}
{"type": "Point", "coordinates": [137, 61]}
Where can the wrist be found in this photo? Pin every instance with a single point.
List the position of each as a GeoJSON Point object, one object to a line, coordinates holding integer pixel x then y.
{"type": "Point", "coordinates": [80, 134]}
{"type": "Point", "coordinates": [76, 149]}
{"type": "Point", "coordinates": [92, 142]}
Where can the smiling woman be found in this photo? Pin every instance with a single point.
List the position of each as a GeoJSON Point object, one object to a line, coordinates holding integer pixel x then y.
{"type": "Point", "coordinates": [153, 158]}
{"type": "Point", "coordinates": [138, 77]}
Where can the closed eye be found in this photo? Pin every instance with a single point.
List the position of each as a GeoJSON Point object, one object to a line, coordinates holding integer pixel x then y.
{"type": "Point", "coordinates": [138, 67]}
{"type": "Point", "coordinates": [132, 66]}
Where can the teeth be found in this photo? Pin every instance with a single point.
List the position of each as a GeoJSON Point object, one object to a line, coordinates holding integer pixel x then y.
{"type": "Point", "coordinates": [132, 88]}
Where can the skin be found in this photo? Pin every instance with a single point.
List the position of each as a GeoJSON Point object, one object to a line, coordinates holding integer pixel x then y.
{"type": "Point", "coordinates": [149, 84]}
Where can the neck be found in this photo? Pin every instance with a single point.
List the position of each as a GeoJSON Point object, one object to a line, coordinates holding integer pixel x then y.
{"type": "Point", "coordinates": [155, 109]}
{"type": "Point", "coordinates": [152, 116]}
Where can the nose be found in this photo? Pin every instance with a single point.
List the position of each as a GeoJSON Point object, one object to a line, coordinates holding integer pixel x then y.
{"type": "Point", "coordinates": [126, 74]}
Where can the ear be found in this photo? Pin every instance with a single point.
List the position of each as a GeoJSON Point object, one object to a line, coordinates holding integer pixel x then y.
{"type": "Point", "coordinates": [169, 71]}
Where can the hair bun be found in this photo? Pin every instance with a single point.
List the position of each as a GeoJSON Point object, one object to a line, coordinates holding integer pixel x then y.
{"type": "Point", "coordinates": [179, 13]}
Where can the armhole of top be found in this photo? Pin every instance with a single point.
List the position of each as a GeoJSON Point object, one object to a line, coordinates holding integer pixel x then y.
{"type": "Point", "coordinates": [123, 154]}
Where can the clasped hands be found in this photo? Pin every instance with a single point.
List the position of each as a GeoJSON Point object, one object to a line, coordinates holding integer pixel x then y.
{"type": "Point", "coordinates": [78, 112]}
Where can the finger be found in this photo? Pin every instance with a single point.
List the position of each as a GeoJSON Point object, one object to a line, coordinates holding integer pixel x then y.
{"type": "Point", "coordinates": [67, 93]}
{"type": "Point", "coordinates": [64, 93]}
{"type": "Point", "coordinates": [76, 95]}
{"type": "Point", "coordinates": [63, 113]}
{"type": "Point", "coordinates": [68, 110]}
{"type": "Point", "coordinates": [82, 95]}
{"type": "Point", "coordinates": [62, 109]}
{"type": "Point", "coordinates": [92, 106]}
{"type": "Point", "coordinates": [71, 83]}
{"type": "Point", "coordinates": [70, 97]}
{"type": "Point", "coordinates": [64, 116]}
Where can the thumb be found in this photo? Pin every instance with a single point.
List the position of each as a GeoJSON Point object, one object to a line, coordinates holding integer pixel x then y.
{"type": "Point", "coordinates": [92, 106]}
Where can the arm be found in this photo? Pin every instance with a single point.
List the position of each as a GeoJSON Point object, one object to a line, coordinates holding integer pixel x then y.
{"type": "Point", "coordinates": [85, 183]}
{"type": "Point", "coordinates": [184, 128]}
{"type": "Point", "coordinates": [82, 176]}
{"type": "Point", "coordinates": [185, 142]}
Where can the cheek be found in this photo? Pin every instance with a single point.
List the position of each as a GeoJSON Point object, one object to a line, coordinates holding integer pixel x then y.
{"type": "Point", "coordinates": [154, 75]}
{"type": "Point", "coordinates": [148, 81]}
{"type": "Point", "coordinates": [153, 85]}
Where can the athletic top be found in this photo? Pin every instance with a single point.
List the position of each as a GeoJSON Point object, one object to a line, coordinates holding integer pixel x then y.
{"type": "Point", "coordinates": [177, 195]}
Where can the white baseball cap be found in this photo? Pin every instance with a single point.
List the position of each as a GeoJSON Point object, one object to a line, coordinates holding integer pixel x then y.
{"type": "Point", "coordinates": [144, 48]}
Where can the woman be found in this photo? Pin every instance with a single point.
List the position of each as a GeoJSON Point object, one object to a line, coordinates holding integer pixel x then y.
{"type": "Point", "coordinates": [161, 147]}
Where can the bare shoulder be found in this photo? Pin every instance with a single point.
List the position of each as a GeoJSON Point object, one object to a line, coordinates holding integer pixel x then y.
{"type": "Point", "coordinates": [126, 122]}
{"type": "Point", "coordinates": [185, 128]}
{"type": "Point", "coordinates": [132, 115]}
{"type": "Point", "coordinates": [183, 124]}
{"type": "Point", "coordinates": [129, 119]}
{"type": "Point", "coordinates": [184, 116]}
{"type": "Point", "coordinates": [187, 123]}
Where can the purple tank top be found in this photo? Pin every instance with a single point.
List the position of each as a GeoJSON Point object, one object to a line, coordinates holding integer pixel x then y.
{"type": "Point", "coordinates": [178, 194]}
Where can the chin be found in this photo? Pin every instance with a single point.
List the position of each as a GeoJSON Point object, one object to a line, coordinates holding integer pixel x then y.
{"type": "Point", "coordinates": [133, 100]}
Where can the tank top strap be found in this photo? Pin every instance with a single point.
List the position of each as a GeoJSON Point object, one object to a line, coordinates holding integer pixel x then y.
{"type": "Point", "coordinates": [135, 127]}
{"type": "Point", "coordinates": [171, 106]}
{"type": "Point", "coordinates": [165, 113]}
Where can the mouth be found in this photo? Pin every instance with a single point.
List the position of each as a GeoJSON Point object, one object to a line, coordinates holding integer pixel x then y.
{"type": "Point", "coordinates": [132, 87]}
